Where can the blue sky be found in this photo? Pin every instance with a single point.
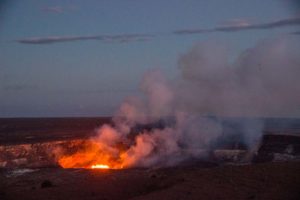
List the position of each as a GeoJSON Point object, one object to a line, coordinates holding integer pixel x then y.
{"type": "Point", "coordinates": [90, 77]}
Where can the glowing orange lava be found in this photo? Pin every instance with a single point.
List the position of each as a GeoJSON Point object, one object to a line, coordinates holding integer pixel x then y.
{"type": "Point", "coordinates": [93, 155]}
{"type": "Point", "coordinates": [99, 166]}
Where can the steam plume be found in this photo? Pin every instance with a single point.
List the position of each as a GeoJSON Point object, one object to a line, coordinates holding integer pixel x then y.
{"type": "Point", "coordinates": [262, 81]}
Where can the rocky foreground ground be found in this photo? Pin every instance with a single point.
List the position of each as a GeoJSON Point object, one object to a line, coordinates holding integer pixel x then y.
{"type": "Point", "coordinates": [199, 181]}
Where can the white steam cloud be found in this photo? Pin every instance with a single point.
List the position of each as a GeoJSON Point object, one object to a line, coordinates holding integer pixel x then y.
{"type": "Point", "coordinates": [262, 81]}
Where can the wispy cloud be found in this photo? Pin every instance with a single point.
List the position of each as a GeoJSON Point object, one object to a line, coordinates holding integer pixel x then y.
{"type": "Point", "coordinates": [242, 26]}
{"type": "Point", "coordinates": [230, 26]}
{"type": "Point", "coordinates": [105, 38]}
{"type": "Point", "coordinates": [275, 24]}
{"type": "Point", "coordinates": [191, 31]}
{"type": "Point", "coordinates": [53, 9]}
{"type": "Point", "coordinates": [59, 9]}
{"type": "Point", "coordinates": [236, 22]}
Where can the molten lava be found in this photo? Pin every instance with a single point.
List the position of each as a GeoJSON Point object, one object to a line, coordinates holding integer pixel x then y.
{"type": "Point", "coordinates": [93, 155]}
{"type": "Point", "coordinates": [99, 166]}
{"type": "Point", "coordinates": [108, 149]}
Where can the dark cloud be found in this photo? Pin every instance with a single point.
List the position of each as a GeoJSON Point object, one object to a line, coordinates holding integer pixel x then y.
{"type": "Point", "coordinates": [276, 24]}
{"type": "Point", "coordinates": [294, 21]}
{"type": "Point", "coordinates": [191, 31]}
{"type": "Point", "coordinates": [56, 39]}
{"type": "Point", "coordinates": [106, 38]}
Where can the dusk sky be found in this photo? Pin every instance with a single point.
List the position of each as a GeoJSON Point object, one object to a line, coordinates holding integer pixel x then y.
{"type": "Point", "coordinates": [82, 58]}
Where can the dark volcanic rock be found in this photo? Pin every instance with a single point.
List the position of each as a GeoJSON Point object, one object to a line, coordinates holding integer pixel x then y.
{"type": "Point", "coordinates": [46, 184]}
{"type": "Point", "coordinates": [278, 148]}
{"type": "Point", "coordinates": [259, 181]}
{"type": "Point", "coordinates": [38, 154]}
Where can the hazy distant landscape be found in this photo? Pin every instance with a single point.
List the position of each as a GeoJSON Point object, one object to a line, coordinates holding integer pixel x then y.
{"type": "Point", "coordinates": [30, 130]}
